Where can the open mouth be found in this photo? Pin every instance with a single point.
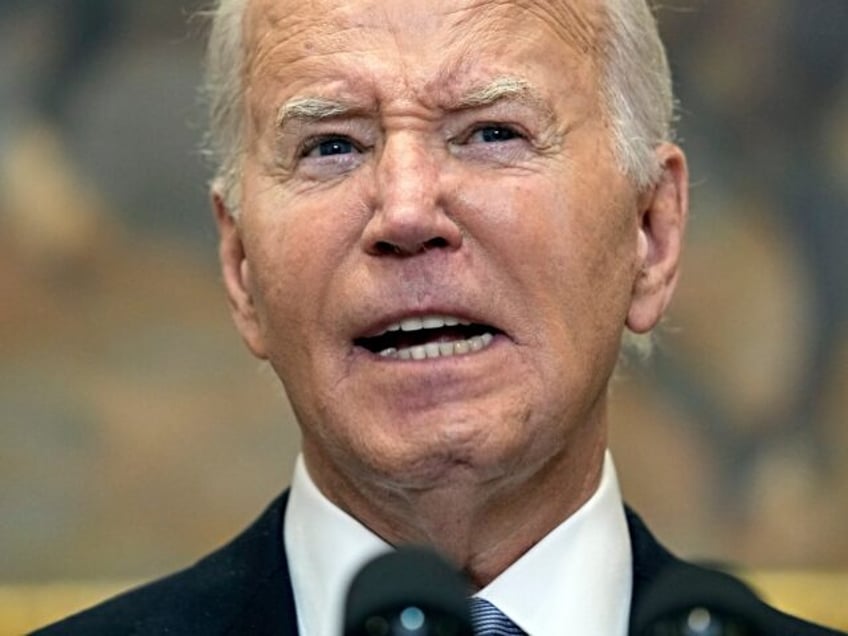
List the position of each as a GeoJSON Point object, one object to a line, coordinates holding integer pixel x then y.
{"type": "Point", "coordinates": [432, 336]}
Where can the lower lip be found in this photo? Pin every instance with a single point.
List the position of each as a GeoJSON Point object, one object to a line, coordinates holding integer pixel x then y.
{"type": "Point", "coordinates": [413, 385]}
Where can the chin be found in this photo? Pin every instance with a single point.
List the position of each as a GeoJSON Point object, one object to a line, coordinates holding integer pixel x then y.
{"type": "Point", "coordinates": [444, 449]}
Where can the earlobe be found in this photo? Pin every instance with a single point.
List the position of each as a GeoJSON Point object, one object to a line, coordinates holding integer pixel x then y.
{"type": "Point", "coordinates": [660, 234]}
{"type": "Point", "coordinates": [235, 270]}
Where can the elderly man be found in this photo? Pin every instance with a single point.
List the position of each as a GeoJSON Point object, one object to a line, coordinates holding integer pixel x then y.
{"type": "Point", "coordinates": [436, 220]}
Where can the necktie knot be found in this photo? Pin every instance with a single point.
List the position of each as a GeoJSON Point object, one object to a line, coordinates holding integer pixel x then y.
{"type": "Point", "coordinates": [488, 620]}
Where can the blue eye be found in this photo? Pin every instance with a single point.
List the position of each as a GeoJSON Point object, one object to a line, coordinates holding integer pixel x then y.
{"type": "Point", "coordinates": [328, 146]}
{"type": "Point", "coordinates": [334, 146]}
{"type": "Point", "coordinates": [491, 134]}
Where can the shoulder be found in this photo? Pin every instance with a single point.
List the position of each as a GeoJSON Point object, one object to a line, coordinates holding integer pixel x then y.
{"type": "Point", "coordinates": [667, 589]}
{"type": "Point", "coordinates": [210, 597]}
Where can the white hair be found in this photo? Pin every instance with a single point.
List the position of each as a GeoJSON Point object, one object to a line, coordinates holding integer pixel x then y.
{"type": "Point", "coordinates": [636, 87]}
{"type": "Point", "coordinates": [224, 90]}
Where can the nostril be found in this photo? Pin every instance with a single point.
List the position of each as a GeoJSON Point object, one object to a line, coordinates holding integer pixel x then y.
{"type": "Point", "coordinates": [384, 248]}
{"type": "Point", "coordinates": [436, 242]}
{"type": "Point", "coordinates": [387, 248]}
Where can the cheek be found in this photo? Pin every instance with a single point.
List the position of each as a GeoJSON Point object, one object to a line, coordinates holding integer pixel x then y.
{"type": "Point", "coordinates": [296, 253]}
{"type": "Point", "coordinates": [565, 253]}
{"type": "Point", "coordinates": [564, 243]}
{"type": "Point", "coordinates": [515, 222]}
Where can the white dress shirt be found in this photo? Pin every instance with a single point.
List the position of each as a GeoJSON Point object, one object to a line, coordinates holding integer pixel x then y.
{"type": "Point", "coordinates": [576, 580]}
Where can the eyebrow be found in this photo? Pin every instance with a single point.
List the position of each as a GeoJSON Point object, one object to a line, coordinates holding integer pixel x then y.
{"type": "Point", "coordinates": [319, 108]}
{"type": "Point", "coordinates": [498, 89]}
{"type": "Point", "coordinates": [508, 88]}
{"type": "Point", "coordinates": [311, 109]}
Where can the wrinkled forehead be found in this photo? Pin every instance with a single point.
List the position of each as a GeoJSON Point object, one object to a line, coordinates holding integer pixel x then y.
{"type": "Point", "coordinates": [290, 30]}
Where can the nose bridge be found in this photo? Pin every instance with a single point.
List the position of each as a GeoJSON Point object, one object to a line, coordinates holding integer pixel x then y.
{"type": "Point", "coordinates": [407, 176]}
{"type": "Point", "coordinates": [409, 214]}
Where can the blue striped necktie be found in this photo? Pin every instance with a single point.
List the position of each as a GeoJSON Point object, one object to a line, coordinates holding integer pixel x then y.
{"type": "Point", "coordinates": [488, 620]}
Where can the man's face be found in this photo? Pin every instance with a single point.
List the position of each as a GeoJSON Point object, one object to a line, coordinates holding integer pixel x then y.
{"type": "Point", "coordinates": [436, 250]}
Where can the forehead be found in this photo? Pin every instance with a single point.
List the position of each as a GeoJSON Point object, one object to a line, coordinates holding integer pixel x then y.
{"type": "Point", "coordinates": [432, 38]}
{"type": "Point", "coordinates": [575, 21]}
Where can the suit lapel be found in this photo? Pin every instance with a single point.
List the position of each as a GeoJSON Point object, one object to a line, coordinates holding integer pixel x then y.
{"type": "Point", "coordinates": [269, 608]}
{"type": "Point", "coordinates": [649, 557]}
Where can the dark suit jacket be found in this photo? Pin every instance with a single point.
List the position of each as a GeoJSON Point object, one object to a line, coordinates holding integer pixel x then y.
{"type": "Point", "coordinates": [245, 588]}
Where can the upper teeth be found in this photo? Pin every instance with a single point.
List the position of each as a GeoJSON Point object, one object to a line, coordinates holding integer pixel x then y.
{"type": "Point", "coordinates": [435, 349]}
{"type": "Point", "coordinates": [426, 322]}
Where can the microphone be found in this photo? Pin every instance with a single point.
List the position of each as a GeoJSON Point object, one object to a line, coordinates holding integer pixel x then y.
{"type": "Point", "coordinates": [691, 601]}
{"type": "Point", "coordinates": [409, 592]}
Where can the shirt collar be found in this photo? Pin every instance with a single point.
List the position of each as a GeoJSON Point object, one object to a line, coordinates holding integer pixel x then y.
{"type": "Point", "coordinates": [579, 575]}
{"type": "Point", "coordinates": [325, 548]}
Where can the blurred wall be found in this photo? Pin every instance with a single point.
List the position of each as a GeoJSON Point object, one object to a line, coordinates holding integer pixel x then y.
{"type": "Point", "coordinates": [136, 433]}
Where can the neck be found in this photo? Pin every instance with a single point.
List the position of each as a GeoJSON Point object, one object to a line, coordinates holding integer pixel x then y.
{"type": "Point", "coordinates": [482, 525]}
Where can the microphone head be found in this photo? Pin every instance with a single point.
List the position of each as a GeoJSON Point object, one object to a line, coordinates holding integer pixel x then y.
{"type": "Point", "coordinates": [412, 591]}
{"type": "Point", "coordinates": [689, 601]}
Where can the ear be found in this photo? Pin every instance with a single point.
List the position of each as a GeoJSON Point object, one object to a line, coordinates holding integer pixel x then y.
{"type": "Point", "coordinates": [235, 269]}
{"type": "Point", "coordinates": [663, 211]}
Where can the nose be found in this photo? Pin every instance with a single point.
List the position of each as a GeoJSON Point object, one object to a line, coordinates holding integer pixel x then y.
{"type": "Point", "coordinates": [409, 207]}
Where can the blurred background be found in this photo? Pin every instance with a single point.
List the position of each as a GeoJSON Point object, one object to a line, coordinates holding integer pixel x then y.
{"type": "Point", "coordinates": [136, 433]}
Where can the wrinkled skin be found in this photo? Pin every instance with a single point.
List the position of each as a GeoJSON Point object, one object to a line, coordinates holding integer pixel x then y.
{"type": "Point", "coordinates": [419, 198]}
